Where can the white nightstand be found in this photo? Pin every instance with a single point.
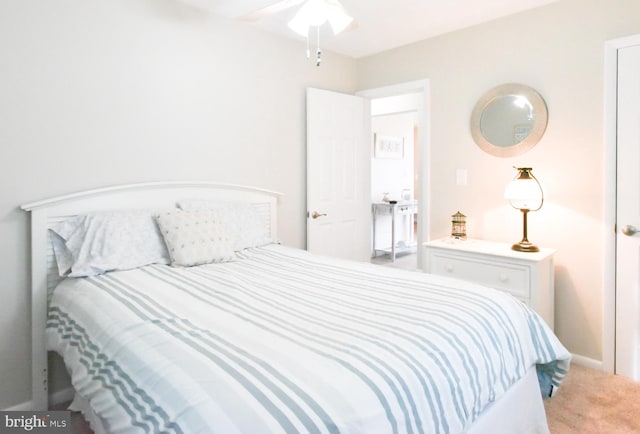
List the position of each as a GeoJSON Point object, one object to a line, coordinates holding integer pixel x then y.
{"type": "Point", "coordinates": [527, 276]}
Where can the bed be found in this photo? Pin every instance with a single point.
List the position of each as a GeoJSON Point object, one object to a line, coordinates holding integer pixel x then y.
{"type": "Point", "coordinates": [275, 339]}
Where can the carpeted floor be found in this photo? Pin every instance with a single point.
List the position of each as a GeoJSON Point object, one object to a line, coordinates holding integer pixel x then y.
{"type": "Point", "coordinates": [589, 402]}
{"type": "Point", "coordinates": [592, 402]}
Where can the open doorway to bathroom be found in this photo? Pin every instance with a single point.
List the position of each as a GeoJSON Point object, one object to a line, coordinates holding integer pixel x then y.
{"type": "Point", "coordinates": [394, 180]}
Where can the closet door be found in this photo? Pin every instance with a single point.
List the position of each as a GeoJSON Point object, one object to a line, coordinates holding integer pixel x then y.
{"type": "Point", "coordinates": [628, 214]}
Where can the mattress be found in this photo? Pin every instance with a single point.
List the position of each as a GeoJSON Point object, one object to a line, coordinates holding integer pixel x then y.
{"type": "Point", "coordinates": [283, 341]}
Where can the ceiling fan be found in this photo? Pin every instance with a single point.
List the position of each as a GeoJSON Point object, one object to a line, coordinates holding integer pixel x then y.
{"type": "Point", "coordinates": [312, 13]}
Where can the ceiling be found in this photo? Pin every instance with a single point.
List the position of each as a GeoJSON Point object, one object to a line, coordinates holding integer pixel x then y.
{"type": "Point", "coordinates": [382, 24]}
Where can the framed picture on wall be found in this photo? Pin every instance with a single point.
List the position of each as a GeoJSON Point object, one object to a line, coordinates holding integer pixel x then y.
{"type": "Point", "coordinates": [388, 146]}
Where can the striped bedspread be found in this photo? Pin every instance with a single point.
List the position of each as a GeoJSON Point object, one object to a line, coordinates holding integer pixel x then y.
{"type": "Point", "coordinates": [282, 341]}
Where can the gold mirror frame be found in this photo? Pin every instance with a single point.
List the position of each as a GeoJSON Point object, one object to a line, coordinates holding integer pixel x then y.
{"type": "Point", "coordinates": [537, 130]}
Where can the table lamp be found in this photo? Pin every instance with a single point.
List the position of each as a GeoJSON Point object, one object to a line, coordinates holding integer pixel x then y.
{"type": "Point", "coordinates": [524, 193]}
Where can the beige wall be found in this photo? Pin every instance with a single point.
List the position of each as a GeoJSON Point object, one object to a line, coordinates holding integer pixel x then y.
{"type": "Point", "coordinates": [559, 50]}
{"type": "Point", "coordinates": [102, 92]}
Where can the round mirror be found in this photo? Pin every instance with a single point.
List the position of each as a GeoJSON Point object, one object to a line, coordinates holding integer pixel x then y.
{"type": "Point", "coordinates": [509, 120]}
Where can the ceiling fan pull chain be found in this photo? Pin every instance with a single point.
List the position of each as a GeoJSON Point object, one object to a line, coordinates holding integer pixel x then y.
{"type": "Point", "coordinates": [319, 51]}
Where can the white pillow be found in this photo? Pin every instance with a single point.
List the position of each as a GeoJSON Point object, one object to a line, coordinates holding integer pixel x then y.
{"type": "Point", "coordinates": [64, 258]}
{"type": "Point", "coordinates": [195, 237]}
{"type": "Point", "coordinates": [91, 244]}
{"type": "Point", "coordinates": [246, 226]}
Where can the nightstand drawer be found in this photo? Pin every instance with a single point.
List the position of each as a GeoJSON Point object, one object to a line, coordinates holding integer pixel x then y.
{"type": "Point", "coordinates": [511, 278]}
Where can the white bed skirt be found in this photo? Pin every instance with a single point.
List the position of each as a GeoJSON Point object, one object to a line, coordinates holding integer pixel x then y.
{"type": "Point", "coordinates": [520, 410]}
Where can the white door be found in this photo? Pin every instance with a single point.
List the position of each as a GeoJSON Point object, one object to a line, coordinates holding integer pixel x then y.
{"type": "Point", "coordinates": [338, 171]}
{"type": "Point", "coordinates": [628, 215]}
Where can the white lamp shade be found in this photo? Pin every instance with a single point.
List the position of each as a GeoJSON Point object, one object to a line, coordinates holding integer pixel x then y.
{"type": "Point", "coordinates": [317, 12]}
{"type": "Point", "coordinates": [299, 25]}
{"type": "Point", "coordinates": [524, 194]}
{"type": "Point", "coordinates": [337, 16]}
{"type": "Point", "coordinates": [312, 13]}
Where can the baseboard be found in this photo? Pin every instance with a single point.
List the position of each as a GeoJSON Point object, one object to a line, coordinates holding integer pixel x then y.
{"type": "Point", "coordinates": [587, 362]}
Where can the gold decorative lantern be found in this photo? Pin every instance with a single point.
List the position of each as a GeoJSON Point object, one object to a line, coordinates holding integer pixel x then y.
{"type": "Point", "coordinates": [459, 226]}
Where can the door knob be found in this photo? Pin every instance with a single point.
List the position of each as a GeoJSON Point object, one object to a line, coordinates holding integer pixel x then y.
{"type": "Point", "coordinates": [316, 214]}
{"type": "Point", "coordinates": [629, 230]}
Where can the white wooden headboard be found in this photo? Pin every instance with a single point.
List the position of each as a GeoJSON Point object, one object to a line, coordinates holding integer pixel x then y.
{"type": "Point", "coordinates": [46, 212]}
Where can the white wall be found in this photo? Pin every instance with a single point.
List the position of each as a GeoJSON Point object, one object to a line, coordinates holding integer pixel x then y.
{"type": "Point", "coordinates": [558, 50]}
{"type": "Point", "coordinates": [102, 92]}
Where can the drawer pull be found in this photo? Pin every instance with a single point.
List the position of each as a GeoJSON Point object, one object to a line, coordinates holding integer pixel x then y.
{"type": "Point", "coordinates": [504, 278]}
{"type": "Point", "coordinates": [449, 268]}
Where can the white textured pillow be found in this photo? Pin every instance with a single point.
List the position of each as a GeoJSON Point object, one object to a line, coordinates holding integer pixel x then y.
{"type": "Point", "coordinates": [246, 226]}
{"type": "Point", "coordinates": [91, 244]}
{"type": "Point", "coordinates": [195, 237]}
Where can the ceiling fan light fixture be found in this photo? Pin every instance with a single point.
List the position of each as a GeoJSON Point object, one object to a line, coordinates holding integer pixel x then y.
{"type": "Point", "coordinates": [337, 16]}
{"type": "Point", "coordinates": [299, 25]}
{"type": "Point", "coordinates": [312, 13]}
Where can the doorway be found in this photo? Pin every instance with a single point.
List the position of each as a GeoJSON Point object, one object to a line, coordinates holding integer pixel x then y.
{"type": "Point", "coordinates": [399, 164]}
{"type": "Point", "coordinates": [394, 123]}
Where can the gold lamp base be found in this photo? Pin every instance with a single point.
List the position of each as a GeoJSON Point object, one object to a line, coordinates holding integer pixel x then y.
{"type": "Point", "coordinates": [525, 246]}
